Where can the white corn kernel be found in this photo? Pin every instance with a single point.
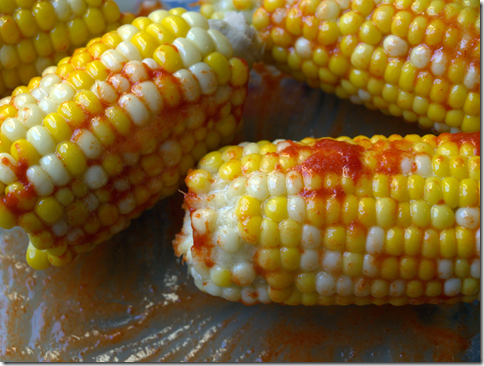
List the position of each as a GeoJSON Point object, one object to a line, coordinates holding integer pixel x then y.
{"type": "Point", "coordinates": [243, 274]}
{"type": "Point", "coordinates": [200, 38]}
{"type": "Point", "coordinates": [41, 181]}
{"type": "Point", "coordinates": [452, 287]}
{"type": "Point", "coordinates": [41, 63]}
{"type": "Point", "coordinates": [362, 287]}
{"type": "Point", "coordinates": [420, 56]}
{"type": "Point", "coordinates": [472, 77]}
{"type": "Point", "coordinates": [41, 140]}
{"type": "Point", "coordinates": [190, 88]}
{"type": "Point", "coordinates": [158, 15]}
{"type": "Point", "coordinates": [195, 20]}
{"type": "Point", "coordinates": [397, 288]}
{"type": "Point", "coordinates": [135, 71]}
{"type": "Point", "coordinates": [476, 268]}
{"type": "Point", "coordinates": [445, 268]}
{"type": "Point", "coordinates": [294, 182]}
{"type": "Point", "coordinates": [205, 76]}
{"type": "Point", "coordinates": [60, 228]}
{"type": "Point", "coordinates": [309, 261]}
{"type": "Point", "coordinates": [296, 208]}
{"type": "Point", "coordinates": [304, 47]}
{"type": "Point", "coordinates": [257, 186]}
{"type": "Point", "coordinates": [129, 50]}
{"type": "Point", "coordinates": [424, 165]}
{"type": "Point", "coordinates": [105, 92]}
{"type": "Point", "coordinates": [370, 265]}
{"type": "Point", "coordinates": [135, 109]}
{"type": "Point", "coordinates": [7, 175]}
{"type": "Point", "coordinates": [189, 54]}
{"type": "Point", "coordinates": [468, 217]}
{"type": "Point", "coordinates": [395, 46]}
{"type": "Point", "coordinates": [149, 94]}
{"type": "Point", "coordinates": [89, 144]}
{"type": "Point", "coordinates": [78, 7]}
{"type": "Point", "coordinates": [62, 92]}
{"type": "Point", "coordinates": [327, 10]}
{"type": "Point", "coordinates": [95, 177]}
{"type": "Point", "coordinates": [276, 182]}
{"type": "Point", "coordinates": [49, 81]}
{"type": "Point", "coordinates": [39, 93]}
{"type": "Point", "coordinates": [90, 201]}
{"type": "Point", "coordinates": [55, 169]}
{"type": "Point", "coordinates": [325, 284]}
{"type": "Point", "coordinates": [311, 237]}
{"type": "Point", "coordinates": [438, 64]}
{"type": "Point", "coordinates": [21, 100]}
{"type": "Point", "coordinates": [113, 60]}
{"type": "Point", "coordinates": [62, 10]}
{"type": "Point", "coordinates": [48, 106]}
{"type": "Point", "coordinates": [344, 286]}
{"type": "Point", "coordinates": [375, 240]}
{"type": "Point", "coordinates": [203, 220]}
{"type": "Point", "coordinates": [13, 129]}
{"type": "Point", "coordinates": [331, 261]}
{"type": "Point", "coordinates": [127, 204]}
{"type": "Point", "coordinates": [127, 32]}
{"type": "Point", "coordinates": [171, 153]}
{"type": "Point", "coordinates": [227, 239]}
{"type": "Point", "coordinates": [222, 44]}
{"type": "Point", "coordinates": [31, 115]}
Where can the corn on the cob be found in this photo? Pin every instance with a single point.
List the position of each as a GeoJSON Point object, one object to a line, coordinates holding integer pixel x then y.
{"type": "Point", "coordinates": [342, 221]}
{"type": "Point", "coordinates": [114, 128]}
{"type": "Point", "coordinates": [217, 9]}
{"type": "Point", "coordinates": [36, 34]}
{"type": "Point", "coordinates": [412, 58]}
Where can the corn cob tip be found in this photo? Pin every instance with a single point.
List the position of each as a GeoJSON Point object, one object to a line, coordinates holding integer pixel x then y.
{"type": "Point", "coordinates": [365, 220]}
{"type": "Point", "coordinates": [244, 38]}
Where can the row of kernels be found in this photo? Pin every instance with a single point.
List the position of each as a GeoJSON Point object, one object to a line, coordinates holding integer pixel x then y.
{"type": "Point", "coordinates": [458, 166]}
{"type": "Point", "coordinates": [241, 274]}
{"type": "Point", "coordinates": [329, 285]}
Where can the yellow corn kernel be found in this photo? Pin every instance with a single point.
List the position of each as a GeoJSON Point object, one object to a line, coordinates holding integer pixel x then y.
{"type": "Point", "coordinates": [57, 126]}
{"type": "Point", "coordinates": [63, 260]}
{"type": "Point", "coordinates": [334, 238]}
{"type": "Point", "coordinates": [408, 267]}
{"type": "Point", "coordinates": [30, 222]}
{"type": "Point", "coordinates": [249, 229]}
{"type": "Point", "coordinates": [462, 267]}
{"type": "Point", "coordinates": [290, 258]}
{"type": "Point", "coordinates": [17, 192]}
{"type": "Point", "coordinates": [76, 213]}
{"type": "Point", "coordinates": [176, 25]}
{"type": "Point", "coordinates": [389, 268]}
{"type": "Point", "coordinates": [220, 66]}
{"type": "Point", "coordinates": [22, 150]}
{"type": "Point", "coordinates": [112, 164]}
{"type": "Point", "coordinates": [269, 236]}
{"type": "Point", "coordinates": [430, 244]}
{"type": "Point", "coordinates": [268, 259]}
{"type": "Point", "coordinates": [72, 157]}
{"type": "Point", "coordinates": [230, 170]}
{"type": "Point", "coordinates": [401, 23]}
{"type": "Point", "coordinates": [42, 240]}
{"type": "Point", "coordinates": [470, 124]}
{"type": "Point", "coordinates": [450, 191]}
{"type": "Point", "coordinates": [79, 189]}
{"type": "Point", "coordinates": [37, 259]}
{"type": "Point", "coordinates": [433, 288]}
{"type": "Point", "coordinates": [416, 186]}
{"type": "Point", "coordinates": [352, 264]}
{"type": "Point", "coordinates": [108, 214]}
{"type": "Point", "coordinates": [465, 242]}
{"type": "Point", "coordinates": [72, 113]}
{"type": "Point", "coordinates": [458, 167]}
{"type": "Point", "coordinates": [306, 283]}
{"type": "Point", "coordinates": [275, 208]}
{"type": "Point", "coordinates": [470, 286]}
{"type": "Point", "coordinates": [475, 168]}
{"type": "Point", "coordinates": [64, 196]}
{"type": "Point", "coordinates": [468, 193]}
{"type": "Point", "coordinates": [290, 231]}
{"type": "Point", "coordinates": [248, 206]}
{"type": "Point", "coordinates": [355, 239]}
{"type": "Point", "coordinates": [366, 211]}
{"type": "Point", "coordinates": [414, 289]}
{"type": "Point", "coordinates": [80, 80]}
{"type": "Point", "coordinates": [395, 240]}
{"type": "Point", "coordinates": [220, 276]}
{"type": "Point", "coordinates": [49, 210]}
{"type": "Point", "coordinates": [413, 240]}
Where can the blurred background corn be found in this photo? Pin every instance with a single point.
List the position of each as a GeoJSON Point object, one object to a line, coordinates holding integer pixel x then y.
{"type": "Point", "coordinates": [217, 9]}
{"type": "Point", "coordinates": [418, 59]}
{"type": "Point", "coordinates": [323, 221]}
{"type": "Point", "coordinates": [109, 131]}
{"type": "Point", "coordinates": [37, 34]}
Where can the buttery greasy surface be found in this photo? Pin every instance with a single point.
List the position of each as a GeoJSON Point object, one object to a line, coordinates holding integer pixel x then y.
{"type": "Point", "coordinates": [132, 300]}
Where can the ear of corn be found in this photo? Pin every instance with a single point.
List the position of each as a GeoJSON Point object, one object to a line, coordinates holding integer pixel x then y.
{"type": "Point", "coordinates": [37, 34]}
{"type": "Point", "coordinates": [323, 221]}
{"type": "Point", "coordinates": [416, 59]}
{"type": "Point", "coordinates": [109, 131]}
